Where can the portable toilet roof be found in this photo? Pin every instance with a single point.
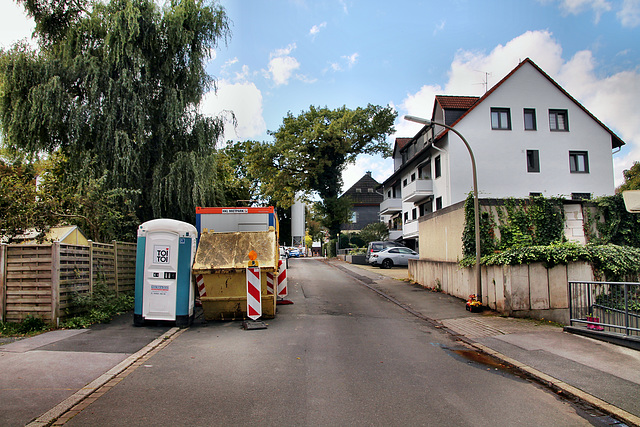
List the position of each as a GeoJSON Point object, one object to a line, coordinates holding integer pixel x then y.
{"type": "Point", "coordinates": [170, 225]}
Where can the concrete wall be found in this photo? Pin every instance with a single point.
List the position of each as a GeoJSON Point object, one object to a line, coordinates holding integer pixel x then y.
{"type": "Point", "coordinates": [515, 290]}
{"type": "Point", "coordinates": [441, 234]}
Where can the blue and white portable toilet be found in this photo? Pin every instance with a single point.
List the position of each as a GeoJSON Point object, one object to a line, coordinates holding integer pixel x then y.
{"type": "Point", "coordinates": [164, 287]}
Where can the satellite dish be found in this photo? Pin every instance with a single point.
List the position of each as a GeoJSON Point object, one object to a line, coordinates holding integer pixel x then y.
{"type": "Point", "coordinates": [632, 200]}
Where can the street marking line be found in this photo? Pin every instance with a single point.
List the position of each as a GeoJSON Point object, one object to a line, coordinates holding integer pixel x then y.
{"type": "Point", "coordinates": [58, 414]}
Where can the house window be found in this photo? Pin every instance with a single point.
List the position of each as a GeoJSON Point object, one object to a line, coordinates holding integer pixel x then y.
{"type": "Point", "coordinates": [358, 190]}
{"type": "Point", "coordinates": [535, 194]}
{"type": "Point", "coordinates": [414, 213]}
{"type": "Point", "coordinates": [369, 190]}
{"type": "Point", "coordinates": [404, 183]}
{"type": "Point", "coordinates": [438, 203]}
{"type": "Point", "coordinates": [580, 196]}
{"type": "Point", "coordinates": [406, 217]}
{"type": "Point", "coordinates": [437, 166]}
{"type": "Point", "coordinates": [354, 217]}
{"type": "Point", "coordinates": [424, 170]}
{"type": "Point", "coordinates": [529, 119]}
{"type": "Point", "coordinates": [500, 118]}
{"type": "Point", "coordinates": [578, 162]}
{"type": "Point", "coordinates": [533, 161]}
{"type": "Point", "coordinates": [389, 194]}
{"type": "Point", "coordinates": [558, 120]}
{"type": "Point", "coordinates": [413, 177]}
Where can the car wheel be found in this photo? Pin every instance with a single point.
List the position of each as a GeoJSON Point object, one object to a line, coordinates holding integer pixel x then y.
{"type": "Point", "coordinates": [387, 263]}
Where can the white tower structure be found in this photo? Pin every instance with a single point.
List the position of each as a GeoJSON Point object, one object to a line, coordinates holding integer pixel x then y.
{"type": "Point", "coordinates": [297, 223]}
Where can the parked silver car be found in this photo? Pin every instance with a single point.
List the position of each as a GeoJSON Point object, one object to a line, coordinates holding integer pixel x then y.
{"type": "Point", "coordinates": [389, 257]}
{"type": "Point", "coordinates": [377, 246]}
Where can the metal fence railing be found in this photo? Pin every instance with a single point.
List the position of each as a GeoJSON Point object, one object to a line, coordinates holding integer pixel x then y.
{"type": "Point", "coordinates": [605, 306]}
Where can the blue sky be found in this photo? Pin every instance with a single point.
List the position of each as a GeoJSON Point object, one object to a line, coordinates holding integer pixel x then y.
{"type": "Point", "coordinates": [285, 55]}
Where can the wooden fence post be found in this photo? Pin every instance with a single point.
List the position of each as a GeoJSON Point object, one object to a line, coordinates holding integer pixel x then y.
{"type": "Point", "coordinates": [90, 267]}
{"type": "Point", "coordinates": [3, 281]}
{"type": "Point", "coordinates": [55, 283]}
{"type": "Point", "coordinates": [115, 266]}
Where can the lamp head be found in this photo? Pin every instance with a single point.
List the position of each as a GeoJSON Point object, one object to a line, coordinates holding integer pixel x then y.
{"type": "Point", "coordinates": [418, 120]}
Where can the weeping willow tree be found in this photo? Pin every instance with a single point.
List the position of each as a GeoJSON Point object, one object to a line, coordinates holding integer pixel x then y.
{"type": "Point", "coordinates": [114, 87]}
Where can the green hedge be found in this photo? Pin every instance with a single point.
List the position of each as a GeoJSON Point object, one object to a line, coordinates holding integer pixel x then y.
{"type": "Point", "coordinates": [616, 263]}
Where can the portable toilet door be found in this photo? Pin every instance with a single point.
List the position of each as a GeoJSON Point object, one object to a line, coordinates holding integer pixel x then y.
{"type": "Point", "coordinates": [164, 288]}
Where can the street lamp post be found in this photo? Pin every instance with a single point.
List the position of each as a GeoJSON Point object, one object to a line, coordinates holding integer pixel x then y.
{"type": "Point", "coordinates": [476, 209]}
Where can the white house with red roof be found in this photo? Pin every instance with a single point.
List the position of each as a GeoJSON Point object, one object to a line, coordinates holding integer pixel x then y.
{"type": "Point", "coordinates": [529, 137]}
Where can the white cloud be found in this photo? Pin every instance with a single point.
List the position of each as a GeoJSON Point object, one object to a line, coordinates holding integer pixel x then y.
{"type": "Point", "coordinates": [244, 99]}
{"type": "Point", "coordinates": [612, 99]}
{"type": "Point", "coordinates": [282, 66]}
{"type": "Point", "coordinates": [629, 15]}
{"type": "Point", "coordinates": [439, 27]}
{"type": "Point", "coordinates": [347, 62]}
{"type": "Point", "coordinates": [351, 59]}
{"type": "Point", "coordinates": [284, 51]}
{"type": "Point", "coordinates": [628, 10]}
{"type": "Point", "coordinates": [345, 9]}
{"type": "Point", "coordinates": [15, 25]}
{"type": "Point", "coordinates": [313, 32]}
{"type": "Point", "coordinates": [576, 7]}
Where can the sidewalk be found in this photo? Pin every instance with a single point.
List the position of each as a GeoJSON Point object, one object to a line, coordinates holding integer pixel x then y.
{"type": "Point", "coordinates": [40, 372]}
{"type": "Point", "coordinates": [601, 374]}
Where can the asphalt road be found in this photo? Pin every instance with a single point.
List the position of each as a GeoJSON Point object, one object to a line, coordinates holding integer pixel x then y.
{"type": "Point", "coordinates": [340, 355]}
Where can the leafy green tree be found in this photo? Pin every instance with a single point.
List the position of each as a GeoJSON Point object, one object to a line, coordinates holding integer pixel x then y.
{"type": "Point", "coordinates": [314, 226]}
{"type": "Point", "coordinates": [240, 184]}
{"type": "Point", "coordinates": [17, 193]}
{"type": "Point", "coordinates": [103, 214]}
{"type": "Point", "coordinates": [631, 178]}
{"type": "Point", "coordinates": [374, 231]}
{"type": "Point", "coordinates": [310, 152]}
{"type": "Point", "coordinates": [114, 88]}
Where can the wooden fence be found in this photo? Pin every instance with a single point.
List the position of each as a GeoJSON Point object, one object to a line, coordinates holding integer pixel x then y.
{"type": "Point", "coordinates": [41, 280]}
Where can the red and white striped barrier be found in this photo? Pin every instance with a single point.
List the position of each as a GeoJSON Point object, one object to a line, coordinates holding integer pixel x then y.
{"type": "Point", "coordinates": [254, 299]}
{"type": "Point", "coordinates": [270, 284]}
{"type": "Point", "coordinates": [200, 282]}
{"type": "Point", "coordinates": [282, 279]}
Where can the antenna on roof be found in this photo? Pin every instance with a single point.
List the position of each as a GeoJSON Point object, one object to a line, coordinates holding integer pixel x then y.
{"type": "Point", "coordinates": [486, 80]}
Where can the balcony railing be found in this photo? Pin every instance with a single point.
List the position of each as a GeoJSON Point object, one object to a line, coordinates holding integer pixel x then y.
{"type": "Point", "coordinates": [391, 206]}
{"type": "Point", "coordinates": [410, 229]}
{"type": "Point", "coordinates": [417, 190]}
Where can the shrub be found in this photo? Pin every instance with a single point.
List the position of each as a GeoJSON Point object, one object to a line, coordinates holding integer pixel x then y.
{"type": "Point", "coordinates": [615, 262]}
{"type": "Point", "coordinates": [99, 307]}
